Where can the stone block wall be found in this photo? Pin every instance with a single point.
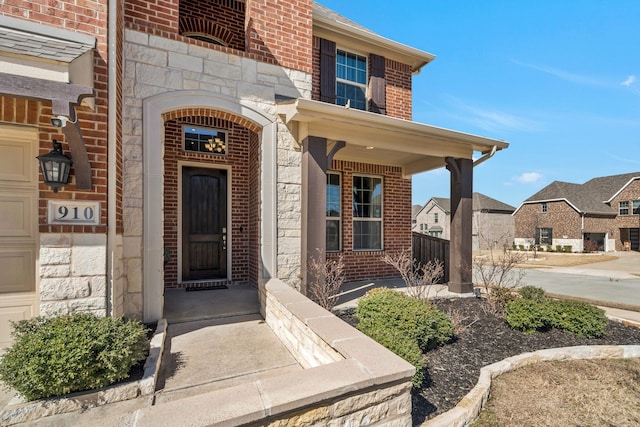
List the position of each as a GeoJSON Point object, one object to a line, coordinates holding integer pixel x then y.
{"type": "Point", "coordinates": [332, 352]}
{"type": "Point", "coordinates": [72, 274]}
{"type": "Point", "coordinates": [159, 65]}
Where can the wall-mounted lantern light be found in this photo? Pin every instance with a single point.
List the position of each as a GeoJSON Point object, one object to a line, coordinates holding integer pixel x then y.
{"type": "Point", "coordinates": [55, 167]}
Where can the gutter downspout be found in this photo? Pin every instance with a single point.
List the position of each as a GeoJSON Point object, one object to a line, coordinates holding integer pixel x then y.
{"type": "Point", "coordinates": [486, 156]}
{"type": "Point", "coordinates": [111, 155]}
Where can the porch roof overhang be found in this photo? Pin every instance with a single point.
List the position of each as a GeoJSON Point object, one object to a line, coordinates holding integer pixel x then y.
{"type": "Point", "coordinates": [378, 139]}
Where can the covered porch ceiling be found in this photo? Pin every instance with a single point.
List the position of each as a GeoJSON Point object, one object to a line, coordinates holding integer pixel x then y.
{"type": "Point", "coordinates": [378, 139]}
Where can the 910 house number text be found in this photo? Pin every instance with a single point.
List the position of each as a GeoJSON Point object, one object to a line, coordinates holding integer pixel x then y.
{"type": "Point", "coordinates": [73, 212]}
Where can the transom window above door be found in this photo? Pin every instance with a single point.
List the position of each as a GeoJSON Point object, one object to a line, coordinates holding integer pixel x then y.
{"type": "Point", "coordinates": [351, 79]}
{"type": "Point", "coordinates": [203, 140]}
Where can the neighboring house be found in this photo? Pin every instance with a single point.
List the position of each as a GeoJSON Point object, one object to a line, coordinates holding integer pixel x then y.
{"type": "Point", "coordinates": [213, 142]}
{"type": "Point", "coordinates": [493, 225]}
{"type": "Point", "coordinates": [433, 219]}
{"type": "Point", "coordinates": [601, 214]}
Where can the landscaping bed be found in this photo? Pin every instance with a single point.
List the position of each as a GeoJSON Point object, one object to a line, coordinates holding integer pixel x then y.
{"type": "Point", "coordinates": [453, 369]}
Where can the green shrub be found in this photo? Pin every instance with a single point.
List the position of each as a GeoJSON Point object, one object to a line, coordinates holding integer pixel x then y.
{"type": "Point", "coordinates": [532, 293]}
{"type": "Point", "coordinates": [567, 248]}
{"type": "Point", "coordinates": [528, 315]}
{"type": "Point", "coordinates": [549, 248]}
{"type": "Point", "coordinates": [538, 313]}
{"type": "Point", "coordinates": [580, 318]}
{"type": "Point", "coordinates": [60, 355]}
{"type": "Point", "coordinates": [404, 347]}
{"type": "Point", "coordinates": [559, 248]}
{"type": "Point", "coordinates": [521, 247]}
{"type": "Point", "coordinates": [404, 325]}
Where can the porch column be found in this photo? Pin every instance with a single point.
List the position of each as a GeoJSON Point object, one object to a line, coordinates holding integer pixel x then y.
{"type": "Point", "coordinates": [460, 267]}
{"type": "Point", "coordinates": [314, 181]}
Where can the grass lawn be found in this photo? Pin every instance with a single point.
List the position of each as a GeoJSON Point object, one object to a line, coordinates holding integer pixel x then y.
{"type": "Point", "coordinates": [554, 259]}
{"type": "Point", "coordinates": [573, 393]}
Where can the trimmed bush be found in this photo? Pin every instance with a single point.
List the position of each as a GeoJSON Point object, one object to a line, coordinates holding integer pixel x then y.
{"type": "Point", "coordinates": [582, 319]}
{"type": "Point", "coordinates": [532, 293]}
{"type": "Point", "coordinates": [404, 325]}
{"type": "Point", "coordinates": [60, 355]}
{"type": "Point", "coordinates": [528, 315]}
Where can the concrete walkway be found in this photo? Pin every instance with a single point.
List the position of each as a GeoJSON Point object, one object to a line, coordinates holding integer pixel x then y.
{"type": "Point", "coordinates": [233, 344]}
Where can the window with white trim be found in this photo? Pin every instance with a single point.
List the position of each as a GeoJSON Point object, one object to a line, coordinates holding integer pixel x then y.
{"type": "Point", "coordinates": [333, 213]}
{"type": "Point", "coordinates": [367, 213]}
{"type": "Point", "coordinates": [435, 217]}
{"type": "Point", "coordinates": [624, 208]}
{"type": "Point", "coordinates": [544, 206]}
{"type": "Point", "coordinates": [351, 79]}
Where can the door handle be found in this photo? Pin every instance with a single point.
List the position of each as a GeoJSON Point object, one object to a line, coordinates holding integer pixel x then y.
{"type": "Point", "coordinates": [224, 238]}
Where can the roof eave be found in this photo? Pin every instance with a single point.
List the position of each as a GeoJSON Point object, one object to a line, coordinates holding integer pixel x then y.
{"type": "Point", "coordinates": [391, 49]}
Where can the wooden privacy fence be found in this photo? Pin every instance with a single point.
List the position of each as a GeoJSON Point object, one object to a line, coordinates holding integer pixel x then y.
{"type": "Point", "coordinates": [426, 248]}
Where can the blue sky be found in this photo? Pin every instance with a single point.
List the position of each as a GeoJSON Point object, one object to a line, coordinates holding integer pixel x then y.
{"type": "Point", "coordinates": [558, 80]}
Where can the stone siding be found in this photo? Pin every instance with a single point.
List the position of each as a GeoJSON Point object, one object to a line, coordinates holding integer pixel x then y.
{"type": "Point", "coordinates": [157, 65]}
{"type": "Point", "coordinates": [72, 273]}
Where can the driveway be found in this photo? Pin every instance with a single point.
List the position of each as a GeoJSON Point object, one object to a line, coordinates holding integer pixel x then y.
{"type": "Point", "coordinates": [616, 281]}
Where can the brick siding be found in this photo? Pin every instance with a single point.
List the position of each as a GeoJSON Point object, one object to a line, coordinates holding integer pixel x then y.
{"type": "Point", "coordinates": [361, 265]}
{"type": "Point", "coordinates": [243, 156]}
{"type": "Point", "coordinates": [278, 32]}
{"type": "Point", "coordinates": [398, 90]}
{"type": "Point", "coordinates": [228, 26]}
{"type": "Point", "coordinates": [560, 217]}
{"type": "Point", "coordinates": [88, 18]}
{"type": "Point", "coordinates": [630, 193]}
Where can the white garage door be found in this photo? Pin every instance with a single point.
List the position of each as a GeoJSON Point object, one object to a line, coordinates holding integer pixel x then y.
{"type": "Point", "coordinates": [18, 227]}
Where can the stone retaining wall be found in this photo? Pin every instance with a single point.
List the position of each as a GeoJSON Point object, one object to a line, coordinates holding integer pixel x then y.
{"type": "Point", "coordinates": [352, 379]}
{"type": "Point", "coordinates": [18, 411]}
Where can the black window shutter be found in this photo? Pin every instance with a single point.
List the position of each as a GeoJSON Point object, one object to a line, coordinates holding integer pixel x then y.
{"type": "Point", "coordinates": [537, 236]}
{"type": "Point", "coordinates": [550, 235]}
{"type": "Point", "coordinates": [378, 101]}
{"type": "Point", "coordinates": [327, 71]}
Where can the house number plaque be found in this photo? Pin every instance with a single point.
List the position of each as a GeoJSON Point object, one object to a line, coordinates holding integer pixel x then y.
{"type": "Point", "coordinates": [73, 212]}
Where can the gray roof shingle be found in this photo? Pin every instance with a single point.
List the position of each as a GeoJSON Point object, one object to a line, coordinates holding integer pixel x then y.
{"type": "Point", "coordinates": [28, 38]}
{"type": "Point", "coordinates": [590, 197]}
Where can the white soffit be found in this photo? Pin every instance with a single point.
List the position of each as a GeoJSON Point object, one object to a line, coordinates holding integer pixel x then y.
{"type": "Point", "coordinates": [349, 35]}
{"type": "Point", "coordinates": [374, 138]}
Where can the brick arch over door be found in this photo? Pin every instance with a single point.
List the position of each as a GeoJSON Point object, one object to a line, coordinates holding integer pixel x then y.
{"type": "Point", "coordinates": [242, 161]}
{"type": "Point", "coordinates": [176, 104]}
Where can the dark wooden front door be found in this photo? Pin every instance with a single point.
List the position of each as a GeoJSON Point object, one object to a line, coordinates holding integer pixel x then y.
{"type": "Point", "coordinates": [204, 224]}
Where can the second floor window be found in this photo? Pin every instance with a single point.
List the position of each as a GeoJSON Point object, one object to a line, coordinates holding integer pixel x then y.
{"type": "Point", "coordinates": [544, 206]}
{"type": "Point", "coordinates": [435, 217]}
{"type": "Point", "coordinates": [624, 208]}
{"type": "Point", "coordinates": [636, 207]}
{"type": "Point", "coordinates": [351, 79]}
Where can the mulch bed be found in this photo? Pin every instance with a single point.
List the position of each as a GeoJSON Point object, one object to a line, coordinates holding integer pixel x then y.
{"type": "Point", "coordinates": [454, 368]}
